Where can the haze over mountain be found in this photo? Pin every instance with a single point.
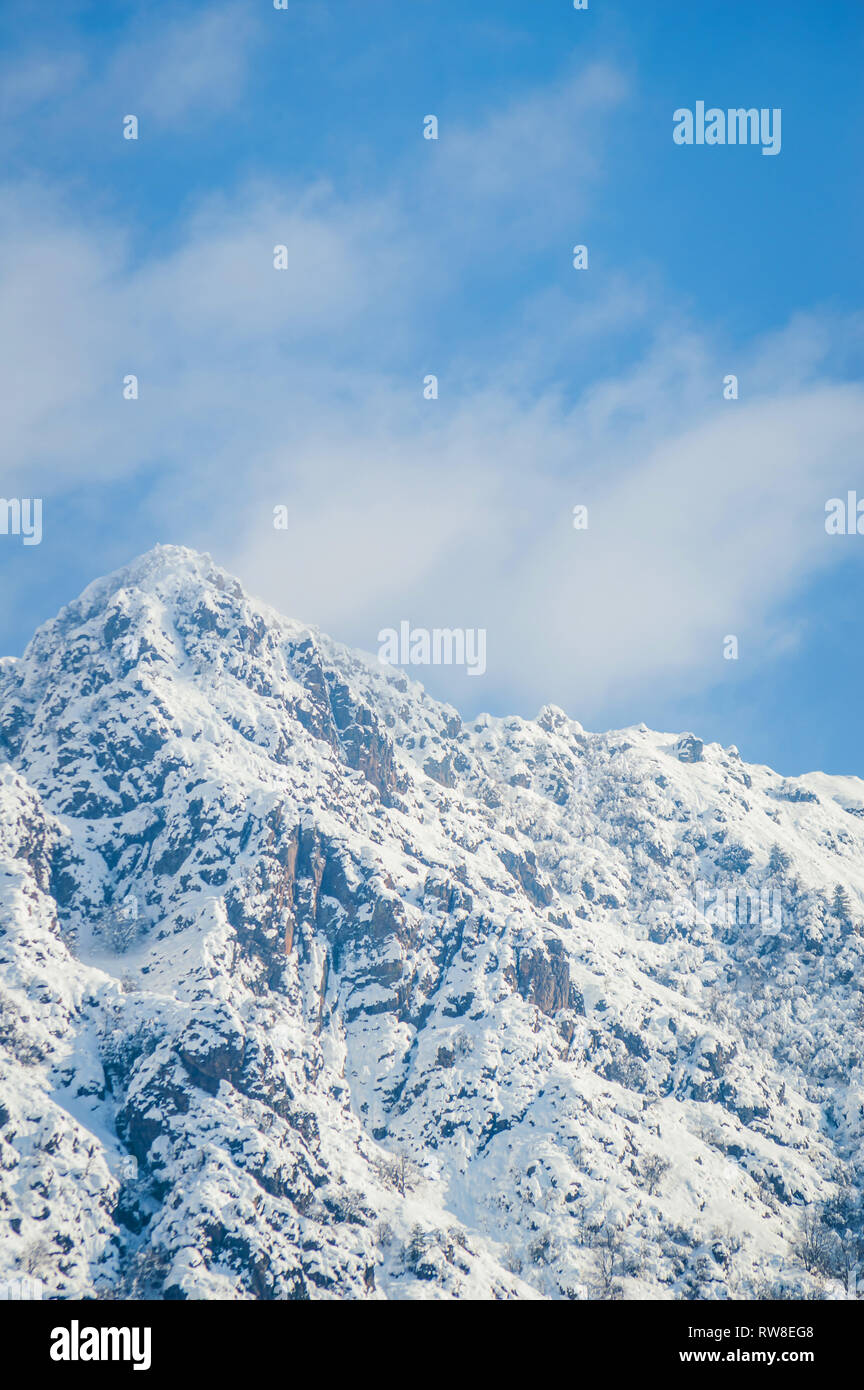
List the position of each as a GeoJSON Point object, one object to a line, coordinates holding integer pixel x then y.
{"type": "Point", "coordinates": [312, 990]}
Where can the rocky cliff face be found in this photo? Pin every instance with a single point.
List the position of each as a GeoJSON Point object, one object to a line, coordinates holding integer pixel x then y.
{"type": "Point", "coordinates": [310, 990]}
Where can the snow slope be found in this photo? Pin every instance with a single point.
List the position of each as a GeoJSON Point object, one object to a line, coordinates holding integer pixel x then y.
{"type": "Point", "coordinates": [308, 989]}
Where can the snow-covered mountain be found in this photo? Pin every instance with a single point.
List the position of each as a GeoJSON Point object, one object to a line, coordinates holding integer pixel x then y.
{"type": "Point", "coordinates": [309, 989]}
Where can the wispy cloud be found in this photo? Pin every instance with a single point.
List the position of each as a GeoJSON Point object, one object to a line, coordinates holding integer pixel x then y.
{"type": "Point", "coordinates": [176, 71]}
{"type": "Point", "coordinates": [261, 387]}
{"type": "Point", "coordinates": [187, 65]}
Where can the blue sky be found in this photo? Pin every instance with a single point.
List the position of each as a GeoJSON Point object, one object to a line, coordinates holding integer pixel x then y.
{"type": "Point", "coordinates": [304, 127]}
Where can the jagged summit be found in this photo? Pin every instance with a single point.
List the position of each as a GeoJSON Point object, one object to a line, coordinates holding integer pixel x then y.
{"type": "Point", "coordinates": [311, 988]}
{"type": "Point", "coordinates": [168, 575]}
{"type": "Point", "coordinates": [164, 569]}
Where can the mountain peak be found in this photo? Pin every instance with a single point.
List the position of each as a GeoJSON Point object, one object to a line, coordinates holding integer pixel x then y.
{"type": "Point", "coordinates": [163, 569]}
{"type": "Point", "coordinates": [317, 990]}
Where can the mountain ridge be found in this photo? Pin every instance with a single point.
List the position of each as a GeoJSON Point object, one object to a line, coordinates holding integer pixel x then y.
{"type": "Point", "coordinates": [313, 989]}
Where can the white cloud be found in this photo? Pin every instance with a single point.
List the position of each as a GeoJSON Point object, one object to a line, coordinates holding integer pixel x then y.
{"type": "Point", "coordinates": [695, 531]}
{"type": "Point", "coordinates": [174, 72]}
{"type": "Point", "coordinates": [303, 387]}
{"type": "Point", "coordinates": [193, 65]}
{"type": "Point", "coordinates": [529, 160]}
